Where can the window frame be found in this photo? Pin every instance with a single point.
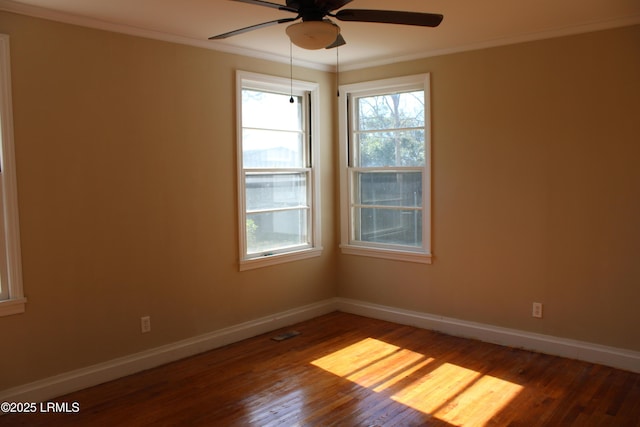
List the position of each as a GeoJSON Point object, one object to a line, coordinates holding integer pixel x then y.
{"type": "Point", "coordinates": [346, 113]}
{"type": "Point", "coordinates": [12, 299]}
{"type": "Point", "coordinates": [310, 92]}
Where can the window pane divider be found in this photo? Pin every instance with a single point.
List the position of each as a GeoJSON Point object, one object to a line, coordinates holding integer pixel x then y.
{"type": "Point", "coordinates": [288, 208]}
{"type": "Point", "coordinates": [387, 130]}
{"type": "Point", "coordinates": [387, 169]}
{"type": "Point", "coordinates": [257, 171]}
{"type": "Point", "coordinates": [300, 131]}
{"type": "Point", "coordinates": [395, 208]}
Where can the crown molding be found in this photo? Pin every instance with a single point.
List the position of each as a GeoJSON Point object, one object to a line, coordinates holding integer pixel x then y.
{"type": "Point", "coordinates": [44, 13]}
{"type": "Point", "coordinates": [497, 42]}
{"type": "Point", "coordinates": [83, 21]}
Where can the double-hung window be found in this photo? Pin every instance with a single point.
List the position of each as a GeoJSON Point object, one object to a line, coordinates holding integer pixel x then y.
{"type": "Point", "coordinates": [385, 169]}
{"type": "Point", "coordinates": [278, 167]}
{"type": "Point", "coordinates": [12, 300]}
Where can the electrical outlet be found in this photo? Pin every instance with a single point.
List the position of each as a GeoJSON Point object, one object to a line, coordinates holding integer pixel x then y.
{"type": "Point", "coordinates": [537, 310]}
{"type": "Point", "coordinates": [145, 324]}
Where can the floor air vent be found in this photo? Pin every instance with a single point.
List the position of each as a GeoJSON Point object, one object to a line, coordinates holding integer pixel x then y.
{"type": "Point", "coordinates": [285, 335]}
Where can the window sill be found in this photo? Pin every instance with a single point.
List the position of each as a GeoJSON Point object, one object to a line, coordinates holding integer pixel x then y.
{"type": "Point", "coordinates": [418, 257]}
{"type": "Point", "coordinates": [265, 261]}
{"type": "Point", "coordinates": [12, 306]}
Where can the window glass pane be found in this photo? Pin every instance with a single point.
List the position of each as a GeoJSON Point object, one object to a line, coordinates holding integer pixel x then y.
{"type": "Point", "coordinates": [404, 148]}
{"type": "Point", "coordinates": [388, 188]}
{"type": "Point", "coordinates": [276, 191]}
{"type": "Point", "coordinates": [270, 231]}
{"type": "Point", "coordinates": [264, 110]}
{"type": "Point", "coordinates": [390, 226]}
{"type": "Point", "coordinates": [392, 111]}
{"type": "Point", "coordinates": [272, 149]}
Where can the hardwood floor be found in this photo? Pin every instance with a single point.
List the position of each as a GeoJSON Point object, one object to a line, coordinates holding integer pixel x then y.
{"type": "Point", "coordinates": [346, 370]}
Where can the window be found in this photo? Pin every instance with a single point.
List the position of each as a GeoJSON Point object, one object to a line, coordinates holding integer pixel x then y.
{"type": "Point", "coordinates": [385, 172]}
{"type": "Point", "coordinates": [11, 296]}
{"type": "Point", "coordinates": [278, 167]}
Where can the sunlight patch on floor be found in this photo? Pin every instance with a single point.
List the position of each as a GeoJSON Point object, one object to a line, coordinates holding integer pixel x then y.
{"type": "Point", "coordinates": [432, 390]}
{"type": "Point", "coordinates": [457, 395]}
{"type": "Point", "coordinates": [359, 355]}
{"type": "Point", "coordinates": [477, 404]}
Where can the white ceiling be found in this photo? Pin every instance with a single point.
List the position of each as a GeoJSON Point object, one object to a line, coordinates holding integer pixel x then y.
{"type": "Point", "coordinates": [467, 24]}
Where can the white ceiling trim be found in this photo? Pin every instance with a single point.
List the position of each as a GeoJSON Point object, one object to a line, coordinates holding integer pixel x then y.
{"type": "Point", "coordinates": [83, 21]}
{"type": "Point", "coordinates": [44, 13]}
{"type": "Point", "coordinates": [542, 35]}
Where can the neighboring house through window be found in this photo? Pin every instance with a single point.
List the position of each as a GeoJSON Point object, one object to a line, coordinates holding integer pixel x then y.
{"type": "Point", "coordinates": [12, 300]}
{"type": "Point", "coordinates": [278, 157]}
{"type": "Point", "coordinates": [385, 169]}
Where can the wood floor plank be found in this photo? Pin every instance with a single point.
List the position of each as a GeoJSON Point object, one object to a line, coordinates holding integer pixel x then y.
{"type": "Point", "coordinates": [347, 370]}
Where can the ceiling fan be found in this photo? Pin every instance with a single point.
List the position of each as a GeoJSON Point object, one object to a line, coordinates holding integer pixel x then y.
{"type": "Point", "coordinates": [316, 31]}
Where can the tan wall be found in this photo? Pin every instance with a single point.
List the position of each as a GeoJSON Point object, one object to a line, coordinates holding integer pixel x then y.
{"type": "Point", "coordinates": [536, 190]}
{"type": "Point", "coordinates": [125, 151]}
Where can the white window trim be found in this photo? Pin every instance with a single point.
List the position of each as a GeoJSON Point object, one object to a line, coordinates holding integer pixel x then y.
{"type": "Point", "coordinates": [421, 255]}
{"type": "Point", "coordinates": [283, 85]}
{"type": "Point", "coordinates": [10, 263]}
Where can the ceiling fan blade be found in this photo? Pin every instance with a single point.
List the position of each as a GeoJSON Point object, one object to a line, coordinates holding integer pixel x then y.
{"type": "Point", "coordinates": [340, 41]}
{"type": "Point", "coordinates": [251, 28]}
{"type": "Point", "coordinates": [269, 4]}
{"type": "Point", "coordinates": [390, 17]}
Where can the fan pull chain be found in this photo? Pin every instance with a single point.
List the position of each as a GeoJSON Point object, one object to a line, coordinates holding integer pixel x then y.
{"type": "Point", "coordinates": [337, 71]}
{"type": "Point", "coordinates": [291, 69]}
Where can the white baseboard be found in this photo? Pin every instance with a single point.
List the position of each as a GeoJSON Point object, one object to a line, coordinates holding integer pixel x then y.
{"type": "Point", "coordinates": [78, 379]}
{"type": "Point", "coordinates": [610, 356]}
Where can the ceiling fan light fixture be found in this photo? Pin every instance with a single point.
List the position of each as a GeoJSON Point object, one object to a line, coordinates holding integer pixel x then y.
{"type": "Point", "coordinates": [313, 34]}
